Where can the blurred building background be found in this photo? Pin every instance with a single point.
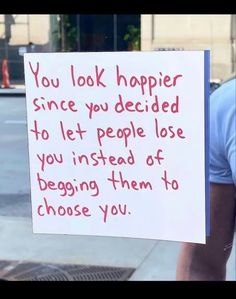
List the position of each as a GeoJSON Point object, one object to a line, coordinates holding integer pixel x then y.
{"type": "Point", "coordinates": [55, 33]}
{"type": "Point", "coordinates": [52, 33]}
{"type": "Point", "coordinates": [20, 34]}
{"type": "Point", "coordinates": [191, 32]}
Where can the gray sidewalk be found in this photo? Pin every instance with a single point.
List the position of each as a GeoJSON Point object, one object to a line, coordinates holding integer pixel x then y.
{"type": "Point", "coordinates": [152, 259]}
{"type": "Point", "coordinates": [15, 90]}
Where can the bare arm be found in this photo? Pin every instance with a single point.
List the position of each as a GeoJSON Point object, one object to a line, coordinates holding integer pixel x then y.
{"type": "Point", "coordinates": [208, 261]}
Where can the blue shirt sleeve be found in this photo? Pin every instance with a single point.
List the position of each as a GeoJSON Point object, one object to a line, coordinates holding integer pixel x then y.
{"type": "Point", "coordinates": [223, 134]}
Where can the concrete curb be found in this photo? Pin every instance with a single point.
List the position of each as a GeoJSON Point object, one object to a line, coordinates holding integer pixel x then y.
{"type": "Point", "coordinates": [12, 92]}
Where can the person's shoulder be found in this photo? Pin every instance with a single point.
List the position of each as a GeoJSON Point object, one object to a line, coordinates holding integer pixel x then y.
{"type": "Point", "coordinates": [230, 86]}
{"type": "Point", "coordinates": [225, 96]}
{"type": "Point", "coordinates": [226, 88]}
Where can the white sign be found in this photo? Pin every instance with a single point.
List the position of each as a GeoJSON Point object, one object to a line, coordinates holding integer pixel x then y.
{"type": "Point", "coordinates": [116, 144]}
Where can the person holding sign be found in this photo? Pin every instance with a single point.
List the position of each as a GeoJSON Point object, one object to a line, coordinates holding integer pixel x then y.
{"type": "Point", "coordinates": [208, 261]}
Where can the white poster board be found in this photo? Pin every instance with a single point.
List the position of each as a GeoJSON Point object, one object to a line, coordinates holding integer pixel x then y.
{"type": "Point", "coordinates": [116, 144]}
